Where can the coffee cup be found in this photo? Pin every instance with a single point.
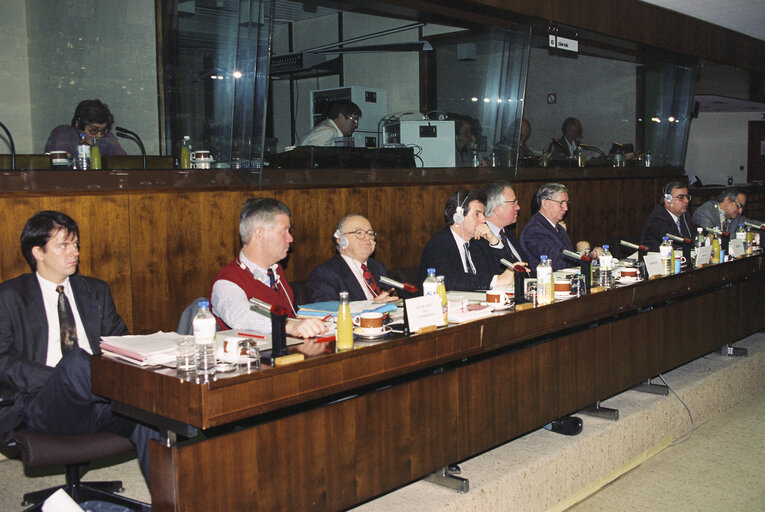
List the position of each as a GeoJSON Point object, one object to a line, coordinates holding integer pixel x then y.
{"type": "Point", "coordinates": [58, 158]}
{"type": "Point", "coordinates": [497, 296]}
{"type": "Point", "coordinates": [369, 322]}
{"type": "Point", "coordinates": [230, 351]}
{"type": "Point", "coordinates": [563, 287]}
{"type": "Point", "coordinates": [629, 273]}
{"type": "Point", "coordinates": [201, 155]}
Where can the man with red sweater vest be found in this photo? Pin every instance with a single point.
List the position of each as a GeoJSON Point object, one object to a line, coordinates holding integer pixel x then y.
{"type": "Point", "coordinates": [264, 227]}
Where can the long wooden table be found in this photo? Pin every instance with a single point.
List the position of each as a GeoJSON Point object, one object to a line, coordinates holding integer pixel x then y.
{"type": "Point", "coordinates": [339, 429]}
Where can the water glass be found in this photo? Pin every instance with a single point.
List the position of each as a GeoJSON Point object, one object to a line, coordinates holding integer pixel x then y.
{"type": "Point", "coordinates": [185, 354]}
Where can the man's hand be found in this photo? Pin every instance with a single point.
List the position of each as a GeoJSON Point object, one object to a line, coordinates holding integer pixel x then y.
{"type": "Point", "coordinates": [386, 296]}
{"type": "Point", "coordinates": [484, 231]}
{"type": "Point", "coordinates": [305, 328]}
{"type": "Point", "coordinates": [506, 278]}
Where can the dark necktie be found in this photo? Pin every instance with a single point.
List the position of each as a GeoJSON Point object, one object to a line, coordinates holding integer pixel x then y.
{"type": "Point", "coordinates": [469, 263]}
{"type": "Point", "coordinates": [679, 229]}
{"type": "Point", "coordinates": [506, 243]}
{"type": "Point", "coordinates": [67, 328]}
{"type": "Point", "coordinates": [271, 279]}
{"type": "Point", "coordinates": [370, 279]}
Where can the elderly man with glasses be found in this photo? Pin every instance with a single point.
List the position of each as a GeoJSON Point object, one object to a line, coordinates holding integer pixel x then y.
{"type": "Point", "coordinates": [93, 118]}
{"type": "Point", "coordinates": [725, 213]}
{"type": "Point", "coordinates": [342, 120]}
{"type": "Point", "coordinates": [545, 232]}
{"type": "Point", "coordinates": [352, 269]}
{"type": "Point", "coordinates": [669, 216]}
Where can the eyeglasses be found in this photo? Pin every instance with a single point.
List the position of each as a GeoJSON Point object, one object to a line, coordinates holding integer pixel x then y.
{"type": "Point", "coordinates": [353, 118]}
{"type": "Point", "coordinates": [361, 232]}
{"type": "Point", "coordinates": [739, 206]}
{"type": "Point", "coordinates": [95, 131]}
{"type": "Point", "coordinates": [683, 197]}
{"type": "Point", "coordinates": [513, 202]}
{"type": "Point", "coordinates": [561, 202]}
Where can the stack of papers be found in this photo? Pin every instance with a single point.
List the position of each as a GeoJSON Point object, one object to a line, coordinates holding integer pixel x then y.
{"type": "Point", "coordinates": [143, 350]}
{"type": "Point", "coordinates": [330, 307]}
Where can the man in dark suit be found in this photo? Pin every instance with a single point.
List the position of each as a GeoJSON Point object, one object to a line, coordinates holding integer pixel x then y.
{"type": "Point", "coordinates": [669, 216]}
{"type": "Point", "coordinates": [461, 251]}
{"type": "Point", "coordinates": [352, 269]}
{"type": "Point", "coordinates": [501, 213]}
{"type": "Point", "coordinates": [51, 321]}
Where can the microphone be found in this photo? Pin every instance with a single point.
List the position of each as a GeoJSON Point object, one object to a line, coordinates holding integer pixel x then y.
{"type": "Point", "coordinates": [717, 231]}
{"type": "Point", "coordinates": [278, 316]}
{"type": "Point", "coordinates": [591, 148]}
{"type": "Point", "coordinates": [576, 256]}
{"type": "Point", "coordinates": [13, 146]}
{"type": "Point", "coordinates": [755, 224]}
{"type": "Point", "coordinates": [516, 267]}
{"type": "Point", "coordinates": [268, 308]}
{"type": "Point", "coordinates": [124, 132]}
{"type": "Point", "coordinates": [634, 246]}
{"type": "Point", "coordinates": [557, 143]}
{"type": "Point", "coordinates": [678, 238]}
{"type": "Point", "coordinates": [409, 288]}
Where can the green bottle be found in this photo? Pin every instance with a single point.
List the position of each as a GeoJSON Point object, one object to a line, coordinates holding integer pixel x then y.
{"type": "Point", "coordinates": [95, 156]}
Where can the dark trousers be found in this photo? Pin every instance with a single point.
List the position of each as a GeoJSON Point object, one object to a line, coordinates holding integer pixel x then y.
{"type": "Point", "coordinates": [65, 405]}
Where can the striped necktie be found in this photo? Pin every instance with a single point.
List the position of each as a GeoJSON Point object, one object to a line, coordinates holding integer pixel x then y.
{"type": "Point", "coordinates": [468, 263]}
{"type": "Point", "coordinates": [67, 327]}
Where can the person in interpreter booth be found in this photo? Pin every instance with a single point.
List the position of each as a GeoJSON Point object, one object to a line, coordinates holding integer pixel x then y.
{"type": "Point", "coordinates": [52, 321]}
{"type": "Point", "coordinates": [342, 120]}
{"type": "Point", "coordinates": [95, 120]}
{"type": "Point", "coordinates": [352, 269]}
{"type": "Point", "coordinates": [264, 228]}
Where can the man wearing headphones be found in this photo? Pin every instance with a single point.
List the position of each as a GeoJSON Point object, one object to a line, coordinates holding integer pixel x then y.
{"type": "Point", "coordinates": [93, 118]}
{"type": "Point", "coordinates": [460, 251]}
{"type": "Point", "coordinates": [264, 227]}
{"type": "Point", "coordinates": [342, 120]}
{"type": "Point", "coordinates": [352, 269]}
{"type": "Point", "coordinates": [669, 216]}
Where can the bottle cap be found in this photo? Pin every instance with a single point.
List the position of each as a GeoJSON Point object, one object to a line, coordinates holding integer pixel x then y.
{"type": "Point", "coordinates": [543, 257]}
{"type": "Point", "coordinates": [203, 304]}
{"type": "Point", "coordinates": [605, 247]}
{"type": "Point", "coordinates": [666, 238]}
{"type": "Point", "coordinates": [431, 271]}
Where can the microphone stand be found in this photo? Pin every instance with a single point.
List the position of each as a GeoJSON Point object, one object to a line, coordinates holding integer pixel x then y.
{"type": "Point", "coordinates": [642, 250]}
{"type": "Point", "coordinates": [519, 284]}
{"type": "Point", "coordinates": [127, 134]}
{"type": "Point", "coordinates": [278, 316]}
{"type": "Point", "coordinates": [585, 266]}
{"type": "Point", "coordinates": [13, 146]}
{"type": "Point", "coordinates": [686, 245]}
{"type": "Point", "coordinates": [406, 289]}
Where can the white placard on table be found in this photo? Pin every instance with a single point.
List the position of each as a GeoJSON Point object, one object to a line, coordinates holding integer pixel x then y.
{"type": "Point", "coordinates": [703, 255]}
{"type": "Point", "coordinates": [736, 247]}
{"type": "Point", "coordinates": [653, 264]}
{"type": "Point", "coordinates": [424, 311]}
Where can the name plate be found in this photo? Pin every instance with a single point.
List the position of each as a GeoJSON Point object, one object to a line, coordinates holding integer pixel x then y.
{"type": "Point", "coordinates": [653, 264]}
{"type": "Point", "coordinates": [703, 255]}
{"type": "Point", "coordinates": [736, 247]}
{"type": "Point", "coordinates": [423, 312]}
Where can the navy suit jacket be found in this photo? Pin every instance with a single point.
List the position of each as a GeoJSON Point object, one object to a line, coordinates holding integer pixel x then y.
{"type": "Point", "coordinates": [24, 335]}
{"type": "Point", "coordinates": [660, 222]}
{"type": "Point", "coordinates": [442, 253]}
{"type": "Point", "coordinates": [334, 276]}
{"type": "Point", "coordinates": [539, 237]}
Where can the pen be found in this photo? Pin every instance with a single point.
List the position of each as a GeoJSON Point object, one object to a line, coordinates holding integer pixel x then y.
{"type": "Point", "coordinates": [326, 339]}
{"type": "Point", "coordinates": [326, 317]}
{"type": "Point", "coordinates": [250, 335]}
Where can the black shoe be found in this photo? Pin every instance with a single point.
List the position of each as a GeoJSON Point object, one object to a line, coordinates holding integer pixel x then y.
{"type": "Point", "coordinates": [454, 469]}
{"type": "Point", "coordinates": [567, 425]}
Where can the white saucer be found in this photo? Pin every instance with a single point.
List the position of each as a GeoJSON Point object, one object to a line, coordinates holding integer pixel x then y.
{"type": "Point", "coordinates": [564, 296]}
{"type": "Point", "coordinates": [357, 331]}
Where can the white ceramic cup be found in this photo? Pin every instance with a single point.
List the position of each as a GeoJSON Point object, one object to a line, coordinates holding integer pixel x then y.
{"type": "Point", "coordinates": [230, 351]}
{"type": "Point", "coordinates": [369, 322]}
{"type": "Point", "coordinates": [497, 296]}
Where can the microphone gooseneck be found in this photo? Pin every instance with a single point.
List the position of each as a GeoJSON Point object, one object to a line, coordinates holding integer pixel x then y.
{"type": "Point", "coordinates": [13, 146]}
{"type": "Point", "coordinates": [124, 132]}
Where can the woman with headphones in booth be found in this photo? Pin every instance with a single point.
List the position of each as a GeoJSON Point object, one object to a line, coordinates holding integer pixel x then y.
{"type": "Point", "coordinates": [95, 120]}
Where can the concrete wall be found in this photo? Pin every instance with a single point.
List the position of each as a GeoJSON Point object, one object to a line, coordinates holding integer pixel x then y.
{"type": "Point", "coordinates": [64, 51]}
{"type": "Point", "coordinates": [717, 146]}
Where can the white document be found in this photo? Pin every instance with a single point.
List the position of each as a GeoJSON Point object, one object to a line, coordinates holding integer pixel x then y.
{"type": "Point", "coordinates": [703, 255]}
{"type": "Point", "coordinates": [736, 247]}
{"type": "Point", "coordinates": [145, 350]}
{"type": "Point", "coordinates": [424, 311]}
{"type": "Point", "coordinates": [653, 264]}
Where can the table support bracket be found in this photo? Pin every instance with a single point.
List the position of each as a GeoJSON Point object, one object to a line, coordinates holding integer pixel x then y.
{"type": "Point", "coordinates": [649, 387]}
{"type": "Point", "coordinates": [731, 351]}
{"type": "Point", "coordinates": [606, 413]}
{"type": "Point", "coordinates": [443, 478]}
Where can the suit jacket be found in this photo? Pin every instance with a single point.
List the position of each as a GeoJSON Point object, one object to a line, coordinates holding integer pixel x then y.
{"type": "Point", "coordinates": [442, 253]}
{"type": "Point", "coordinates": [539, 237]}
{"type": "Point", "coordinates": [334, 276]}
{"type": "Point", "coordinates": [660, 222]}
{"type": "Point", "coordinates": [24, 335]}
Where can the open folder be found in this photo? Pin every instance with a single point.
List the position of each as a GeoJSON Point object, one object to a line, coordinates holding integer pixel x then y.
{"type": "Point", "coordinates": [330, 307]}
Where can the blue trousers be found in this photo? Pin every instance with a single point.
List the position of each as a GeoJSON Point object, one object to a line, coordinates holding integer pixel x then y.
{"type": "Point", "coordinates": [66, 405]}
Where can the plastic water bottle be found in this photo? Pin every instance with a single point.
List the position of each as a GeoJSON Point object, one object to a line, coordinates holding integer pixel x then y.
{"type": "Point", "coordinates": [741, 233]}
{"type": "Point", "coordinates": [545, 286]}
{"type": "Point", "coordinates": [430, 284]}
{"type": "Point", "coordinates": [667, 256]}
{"type": "Point", "coordinates": [204, 338]}
{"type": "Point", "coordinates": [606, 269]}
{"type": "Point", "coordinates": [344, 324]}
{"type": "Point", "coordinates": [83, 153]}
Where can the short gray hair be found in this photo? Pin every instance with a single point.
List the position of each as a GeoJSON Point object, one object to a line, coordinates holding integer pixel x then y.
{"type": "Point", "coordinates": [548, 191]}
{"type": "Point", "coordinates": [494, 198]}
{"type": "Point", "coordinates": [257, 213]}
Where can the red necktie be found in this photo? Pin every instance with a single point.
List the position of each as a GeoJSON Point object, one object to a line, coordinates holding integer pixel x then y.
{"type": "Point", "coordinates": [369, 278]}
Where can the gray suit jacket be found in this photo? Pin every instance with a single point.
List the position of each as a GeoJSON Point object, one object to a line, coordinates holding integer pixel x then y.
{"type": "Point", "coordinates": [24, 335]}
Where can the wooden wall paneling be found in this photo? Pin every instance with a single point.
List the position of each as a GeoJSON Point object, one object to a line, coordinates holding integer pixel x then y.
{"type": "Point", "coordinates": [104, 239]}
{"type": "Point", "coordinates": [592, 215]}
{"type": "Point", "coordinates": [636, 200]}
{"type": "Point", "coordinates": [752, 304]}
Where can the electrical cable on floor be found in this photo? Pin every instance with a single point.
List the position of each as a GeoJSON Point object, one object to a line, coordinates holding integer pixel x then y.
{"type": "Point", "coordinates": [690, 415]}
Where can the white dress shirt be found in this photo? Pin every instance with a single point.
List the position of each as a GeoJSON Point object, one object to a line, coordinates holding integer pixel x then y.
{"type": "Point", "coordinates": [359, 275]}
{"type": "Point", "coordinates": [50, 300]}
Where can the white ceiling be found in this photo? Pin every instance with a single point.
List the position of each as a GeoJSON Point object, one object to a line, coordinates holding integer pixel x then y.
{"type": "Point", "coordinates": [745, 16]}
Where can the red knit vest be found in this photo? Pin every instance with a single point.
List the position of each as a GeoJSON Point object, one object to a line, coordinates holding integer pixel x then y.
{"type": "Point", "coordinates": [243, 278]}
